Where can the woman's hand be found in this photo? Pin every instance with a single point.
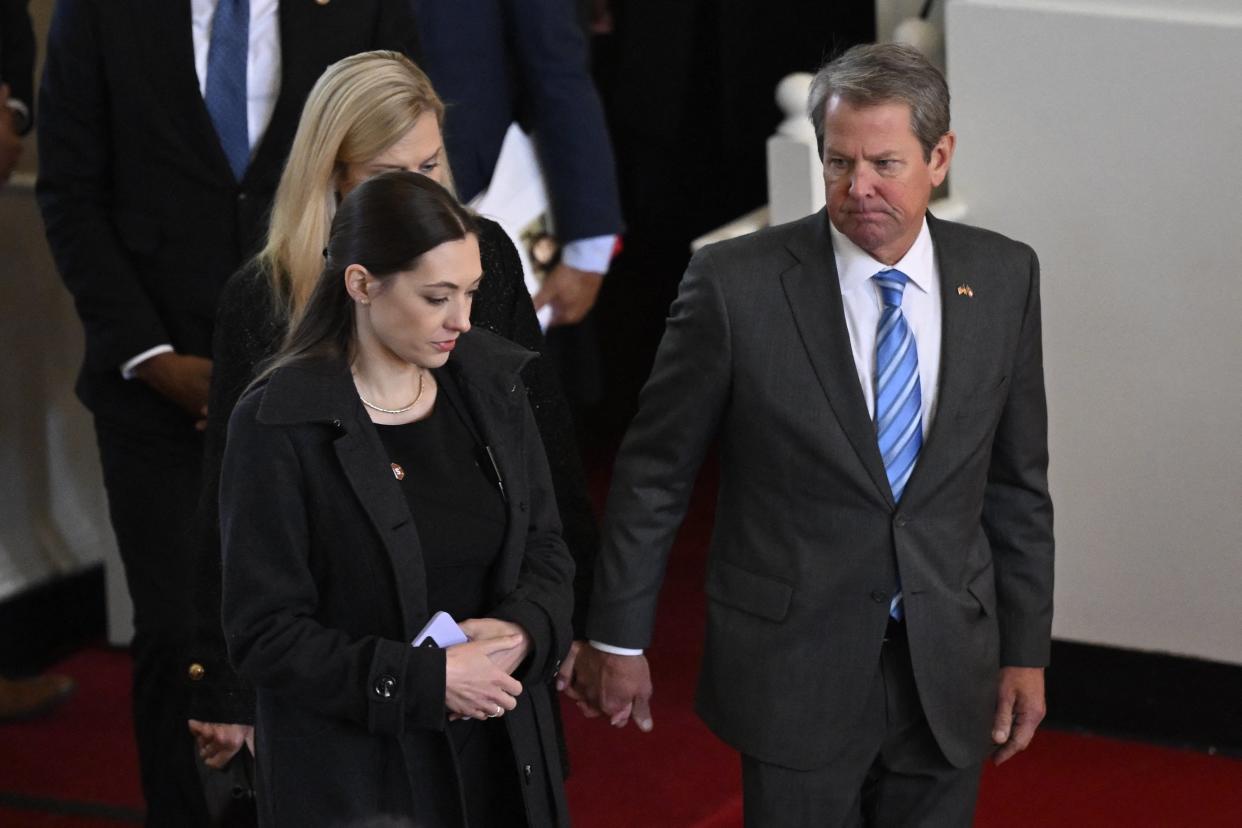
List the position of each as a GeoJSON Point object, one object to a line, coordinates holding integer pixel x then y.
{"type": "Point", "coordinates": [474, 685]}
{"type": "Point", "coordinates": [218, 743]}
{"type": "Point", "coordinates": [486, 629]}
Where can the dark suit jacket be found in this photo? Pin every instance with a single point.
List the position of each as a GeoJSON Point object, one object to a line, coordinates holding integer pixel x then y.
{"type": "Point", "coordinates": [324, 588]}
{"type": "Point", "coordinates": [17, 52]}
{"type": "Point", "coordinates": [808, 541]}
{"type": "Point", "coordinates": [143, 215]}
{"type": "Point", "coordinates": [497, 61]}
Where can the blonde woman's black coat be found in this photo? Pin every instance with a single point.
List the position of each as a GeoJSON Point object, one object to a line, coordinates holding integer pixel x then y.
{"type": "Point", "coordinates": [324, 588]}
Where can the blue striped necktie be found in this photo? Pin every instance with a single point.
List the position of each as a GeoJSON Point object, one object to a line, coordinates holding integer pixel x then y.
{"type": "Point", "coordinates": [226, 81]}
{"type": "Point", "coordinates": [898, 398]}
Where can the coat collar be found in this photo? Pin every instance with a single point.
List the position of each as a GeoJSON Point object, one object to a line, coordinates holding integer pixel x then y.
{"type": "Point", "coordinates": [322, 390]}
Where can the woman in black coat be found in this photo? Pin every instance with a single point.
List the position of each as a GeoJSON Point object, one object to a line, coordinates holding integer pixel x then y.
{"type": "Point", "coordinates": [370, 112]}
{"type": "Point", "coordinates": [385, 467]}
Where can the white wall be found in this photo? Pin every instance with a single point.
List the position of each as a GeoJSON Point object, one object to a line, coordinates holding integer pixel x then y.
{"type": "Point", "coordinates": [1109, 136]}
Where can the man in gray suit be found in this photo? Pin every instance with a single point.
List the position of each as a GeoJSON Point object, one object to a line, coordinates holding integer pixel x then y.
{"type": "Point", "coordinates": [880, 577]}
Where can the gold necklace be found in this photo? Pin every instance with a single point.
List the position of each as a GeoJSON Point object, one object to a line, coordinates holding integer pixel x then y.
{"type": "Point", "coordinates": [375, 407]}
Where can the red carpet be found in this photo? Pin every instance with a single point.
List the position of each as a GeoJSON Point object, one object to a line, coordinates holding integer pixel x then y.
{"type": "Point", "coordinates": [78, 768]}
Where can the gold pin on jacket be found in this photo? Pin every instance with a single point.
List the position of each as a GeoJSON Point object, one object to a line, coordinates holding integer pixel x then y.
{"type": "Point", "coordinates": [966, 290]}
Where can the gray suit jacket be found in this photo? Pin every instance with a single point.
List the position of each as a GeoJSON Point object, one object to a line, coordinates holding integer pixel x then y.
{"type": "Point", "coordinates": [807, 541]}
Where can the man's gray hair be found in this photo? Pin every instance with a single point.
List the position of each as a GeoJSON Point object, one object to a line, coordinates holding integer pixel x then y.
{"type": "Point", "coordinates": [878, 73]}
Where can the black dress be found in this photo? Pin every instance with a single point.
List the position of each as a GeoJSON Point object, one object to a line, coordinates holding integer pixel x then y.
{"type": "Point", "coordinates": [460, 518]}
{"type": "Point", "coordinates": [249, 330]}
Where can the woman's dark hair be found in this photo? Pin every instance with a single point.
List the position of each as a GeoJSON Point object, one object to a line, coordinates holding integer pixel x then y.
{"type": "Point", "coordinates": [385, 225]}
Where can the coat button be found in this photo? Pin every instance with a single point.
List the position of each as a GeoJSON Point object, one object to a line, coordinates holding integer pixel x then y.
{"type": "Point", "coordinates": [336, 424]}
{"type": "Point", "coordinates": [901, 520]}
{"type": "Point", "coordinates": [197, 672]}
{"type": "Point", "coordinates": [385, 687]}
{"type": "Point", "coordinates": [879, 596]}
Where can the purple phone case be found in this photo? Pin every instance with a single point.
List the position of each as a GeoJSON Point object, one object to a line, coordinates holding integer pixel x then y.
{"type": "Point", "coordinates": [440, 631]}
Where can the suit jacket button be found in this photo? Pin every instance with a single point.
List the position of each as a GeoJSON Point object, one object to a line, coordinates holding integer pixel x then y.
{"type": "Point", "coordinates": [901, 520]}
{"type": "Point", "coordinates": [385, 687]}
{"type": "Point", "coordinates": [879, 596]}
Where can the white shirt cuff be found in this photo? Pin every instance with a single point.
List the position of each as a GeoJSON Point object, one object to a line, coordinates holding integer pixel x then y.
{"type": "Point", "coordinates": [23, 113]}
{"type": "Point", "coordinates": [127, 370]}
{"type": "Point", "coordinates": [592, 255]}
{"type": "Point", "coordinates": [608, 648]}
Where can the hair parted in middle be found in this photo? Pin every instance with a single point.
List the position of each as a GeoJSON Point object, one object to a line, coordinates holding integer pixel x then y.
{"type": "Point", "coordinates": [384, 225]}
{"type": "Point", "coordinates": [358, 108]}
{"type": "Point", "coordinates": [879, 73]}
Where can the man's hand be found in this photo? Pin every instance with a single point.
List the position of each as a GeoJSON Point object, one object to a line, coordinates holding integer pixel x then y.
{"type": "Point", "coordinates": [1019, 710]}
{"type": "Point", "coordinates": [218, 743]}
{"type": "Point", "coordinates": [617, 686]}
{"type": "Point", "coordinates": [570, 292]}
{"type": "Point", "coordinates": [183, 379]}
{"type": "Point", "coordinates": [482, 629]}
{"type": "Point", "coordinates": [10, 141]}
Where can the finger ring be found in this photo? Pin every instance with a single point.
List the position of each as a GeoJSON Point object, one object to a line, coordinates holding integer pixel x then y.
{"type": "Point", "coordinates": [499, 710]}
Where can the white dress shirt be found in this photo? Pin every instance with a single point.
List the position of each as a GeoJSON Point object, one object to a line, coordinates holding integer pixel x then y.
{"type": "Point", "coordinates": [920, 304]}
{"type": "Point", "coordinates": [262, 87]}
{"type": "Point", "coordinates": [262, 65]}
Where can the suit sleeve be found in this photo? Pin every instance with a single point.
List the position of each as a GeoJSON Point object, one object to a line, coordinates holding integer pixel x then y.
{"type": "Point", "coordinates": [17, 48]}
{"type": "Point", "coordinates": [550, 49]}
{"type": "Point", "coordinates": [680, 410]}
{"type": "Point", "coordinates": [270, 599]}
{"type": "Point", "coordinates": [1017, 507]}
{"type": "Point", "coordinates": [76, 166]}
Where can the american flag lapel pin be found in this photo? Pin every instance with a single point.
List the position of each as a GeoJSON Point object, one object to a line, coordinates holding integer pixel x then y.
{"type": "Point", "coordinates": [966, 290]}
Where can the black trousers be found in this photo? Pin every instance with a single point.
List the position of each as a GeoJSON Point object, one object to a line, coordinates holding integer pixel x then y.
{"type": "Point", "coordinates": [153, 483]}
{"type": "Point", "coordinates": [889, 774]}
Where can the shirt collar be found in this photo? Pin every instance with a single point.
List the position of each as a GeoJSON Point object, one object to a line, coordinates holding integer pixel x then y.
{"type": "Point", "coordinates": [855, 266]}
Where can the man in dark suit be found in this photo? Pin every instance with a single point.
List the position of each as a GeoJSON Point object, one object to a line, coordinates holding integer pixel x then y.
{"type": "Point", "coordinates": [880, 579]}
{"type": "Point", "coordinates": [499, 61]}
{"type": "Point", "coordinates": [163, 128]}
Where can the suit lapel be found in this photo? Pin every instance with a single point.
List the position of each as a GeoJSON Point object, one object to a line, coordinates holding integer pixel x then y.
{"type": "Point", "coordinates": [813, 291]}
{"type": "Point", "coordinates": [960, 319]}
{"type": "Point", "coordinates": [164, 31]}
{"type": "Point", "coordinates": [364, 462]}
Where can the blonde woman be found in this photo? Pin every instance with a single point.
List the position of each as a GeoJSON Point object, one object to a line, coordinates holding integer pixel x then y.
{"type": "Point", "coordinates": [369, 113]}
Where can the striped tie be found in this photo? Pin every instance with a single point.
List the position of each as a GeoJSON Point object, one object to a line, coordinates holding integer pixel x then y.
{"type": "Point", "coordinates": [898, 399]}
{"type": "Point", "coordinates": [225, 95]}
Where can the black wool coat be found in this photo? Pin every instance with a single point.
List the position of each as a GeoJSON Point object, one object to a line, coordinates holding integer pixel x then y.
{"type": "Point", "coordinates": [324, 589]}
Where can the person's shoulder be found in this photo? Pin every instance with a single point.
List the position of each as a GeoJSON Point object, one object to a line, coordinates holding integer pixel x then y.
{"type": "Point", "coordinates": [969, 238]}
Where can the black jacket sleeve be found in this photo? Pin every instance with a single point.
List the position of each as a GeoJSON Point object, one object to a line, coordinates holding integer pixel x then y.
{"type": "Point", "coordinates": [248, 330]}
{"type": "Point", "coordinates": [75, 193]}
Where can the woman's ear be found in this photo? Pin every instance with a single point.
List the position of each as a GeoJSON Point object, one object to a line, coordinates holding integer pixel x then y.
{"type": "Point", "coordinates": [359, 284]}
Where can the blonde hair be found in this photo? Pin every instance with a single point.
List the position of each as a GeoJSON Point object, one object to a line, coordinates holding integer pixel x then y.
{"type": "Point", "coordinates": [358, 108]}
